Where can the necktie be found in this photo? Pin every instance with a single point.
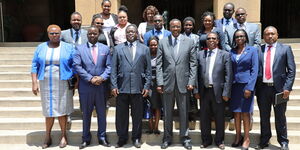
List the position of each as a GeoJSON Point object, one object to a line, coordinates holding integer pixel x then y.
{"type": "Point", "coordinates": [227, 22]}
{"type": "Point", "coordinates": [76, 36]}
{"type": "Point", "coordinates": [206, 80]}
{"type": "Point", "coordinates": [131, 50]}
{"type": "Point", "coordinates": [94, 53]}
{"type": "Point", "coordinates": [157, 33]}
{"type": "Point", "coordinates": [242, 26]}
{"type": "Point", "coordinates": [268, 63]}
{"type": "Point", "coordinates": [175, 42]}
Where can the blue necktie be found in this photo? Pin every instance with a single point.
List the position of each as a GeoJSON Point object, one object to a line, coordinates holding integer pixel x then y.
{"type": "Point", "coordinates": [227, 22]}
{"type": "Point", "coordinates": [157, 32]}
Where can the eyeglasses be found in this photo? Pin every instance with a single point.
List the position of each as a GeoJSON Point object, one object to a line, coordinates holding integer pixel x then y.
{"type": "Point", "coordinates": [100, 23]}
{"type": "Point", "coordinates": [157, 20]}
{"type": "Point", "coordinates": [54, 33]}
{"type": "Point", "coordinates": [240, 36]}
{"type": "Point", "coordinates": [241, 14]}
{"type": "Point", "coordinates": [211, 38]}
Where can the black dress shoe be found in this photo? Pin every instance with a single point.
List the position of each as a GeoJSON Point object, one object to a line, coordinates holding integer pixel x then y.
{"type": "Point", "coordinates": [165, 145]}
{"type": "Point", "coordinates": [137, 143]}
{"type": "Point", "coordinates": [104, 142]}
{"type": "Point", "coordinates": [187, 145]}
{"type": "Point", "coordinates": [120, 143]}
{"type": "Point", "coordinates": [204, 145]}
{"type": "Point", "coordinates": [284, 147]}
{"type": "Point", "coordinates": [261, 146]}
{"type": "Point", "coordinates": [239, 143]}
{"type": "Point", "coordinates": [84, 145]}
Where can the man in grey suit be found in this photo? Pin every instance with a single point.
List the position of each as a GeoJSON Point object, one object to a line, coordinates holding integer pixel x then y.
{"type": "Point", "coordinates": [214, 86]}
{"type": "Point", "coordinates": [130, 79]}
{"type": "Point", "coordinates": [75, 35]}
{"type": "Point", "coordinates": [276, 74]}
{"type": "Point", "coordinates": [176, 73]}
{"type": "Point", "coordinates": [253, 30]}
{"type": "Point", "coordinates": [227, 19]}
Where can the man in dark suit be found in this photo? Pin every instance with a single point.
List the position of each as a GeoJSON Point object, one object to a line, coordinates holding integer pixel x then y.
{"type": "Point", "coordinates": [130, 79]}
{"type": "Point", "coordinates": [75, 35]}
{"type": "Point", "coordinates": [214, 86]}
{"type": "Point", "coordinates": [276, 74]}
{"type": "Point", "coordinates": [252, 29]}
{"type": "Point", "coordinates": [92, 64]}
{"type": "Point", "coordinates": [176, 73]}
{"type": "Point", "coordinates": [158, 30]}
{"type": "Point", "coordinates": [227, 19]}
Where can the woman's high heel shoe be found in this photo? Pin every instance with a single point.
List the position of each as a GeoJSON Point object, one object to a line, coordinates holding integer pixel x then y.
{"type": "Point", "coordinates": [64, 144]}
{"type": "Point", "coordinates": [239, 143]}
{"type": "Point", "coordinates": [47, 144]}
{"type": "Point", "coordinates": [244, 148]}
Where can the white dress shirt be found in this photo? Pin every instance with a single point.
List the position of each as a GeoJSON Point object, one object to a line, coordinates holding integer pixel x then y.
{"type": "Point", "coordinates": [273, 49]}
{"type": "Point", "coordinates": [211, 64]}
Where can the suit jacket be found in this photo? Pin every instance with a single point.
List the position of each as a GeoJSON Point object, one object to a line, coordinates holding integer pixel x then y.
{"type": "Point", "coordinates": [252, 30]}
{"type": "Point", "coordinates": [131, 76]}
{"type": "Point", "coordinates": [151, 33]}
{"type": "Point", "coordinates": [202, 41]}
{"type": "Point", "coordinates": [67, 36]}
{"type": "Point", "coordinates": [182, 68]}
{"type": "Point", "coordinates": [284, 68]}
{"type": "Point", "coordinates": [221, 75]}
{"type": "Point", "coordinates": [220, 22]}
{"type": "Point", "coordinates": [245, 70]}
{"type": "Point", "coordinates": [86, 68]}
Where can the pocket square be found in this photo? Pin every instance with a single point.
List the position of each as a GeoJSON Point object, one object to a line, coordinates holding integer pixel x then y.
{"type": "Point", "coordinates": [102, 54]}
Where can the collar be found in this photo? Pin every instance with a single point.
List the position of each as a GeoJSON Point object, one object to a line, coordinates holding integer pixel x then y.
{"type": "Point", "coordinates": [273, 45]}
{"type": "Point", "coordinates": [162, 30]}
{"type": "Point", "coordinates": [73, 30]}
{"type": "Point", "coordinates": [245, 24]}
{"type": "Point", "coordinates": [133, 43]}
{"type": "Point", "coordinates": [178, 38]}
{"type": "Point", "coordinates": [91, 45]}
{"type": "Point", "coordinates": [214, 50]}
{"type": "Point", "coordinates": [224, 20]}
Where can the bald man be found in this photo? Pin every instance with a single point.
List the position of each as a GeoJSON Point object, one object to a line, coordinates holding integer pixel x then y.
{"type": "Point", "coordinates": [276, 75]}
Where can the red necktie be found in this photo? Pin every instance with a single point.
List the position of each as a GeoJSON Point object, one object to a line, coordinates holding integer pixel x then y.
{"type": "Point", "coordinates": [94, 54]}
{"type": "Point", "coordinates": [268, 63]}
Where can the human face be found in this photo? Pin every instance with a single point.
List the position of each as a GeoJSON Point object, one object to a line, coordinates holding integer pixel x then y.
{"type": "Point", "coordinates": [208, 22]}
{"type": "Point", "coordinates": [150, 15]}
{"type": "Point", "coordinates": [98, 22]}
{"type": "Point", "coordinates": [175, 27]}
{"type": "Point", "coordinates": [106, 7]}
{"type": "Point", "coordinates": [54, 35]}
{"type": "Point", "coordinates": [240, 16]}
{"type": "Point", "coordinates": [153, 46]}
{"type": "Point", "coordinates": [188, 27]}
{"type": "Point", "coordinates": [228, 11]}
{"type": "Point", "coordinates": [270, 35]}
{"type": "Point", "coordinates": [122, 18]}
{"type": "Point", "coordinates": [93, 34]}
{"type": "Point", "coordinates": [240, 38]}
{"type": "Point", "coordinates": [131, 34]}
{"type": "Point", "coordinates": [158, 22]}
{"type": "Point", "coordinates": [76, 21]}
{"type": "Point", "coordinates": [212, 41]}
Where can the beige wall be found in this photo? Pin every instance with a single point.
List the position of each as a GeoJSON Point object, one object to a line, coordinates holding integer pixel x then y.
{"type": "Point", "coordinates": [89, 7]}
{"type": "Point", "coordinates": [252, 7]}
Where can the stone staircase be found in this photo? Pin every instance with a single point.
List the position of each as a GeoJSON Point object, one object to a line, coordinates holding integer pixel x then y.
{"type": "Point", "coordinates": [22, 124]}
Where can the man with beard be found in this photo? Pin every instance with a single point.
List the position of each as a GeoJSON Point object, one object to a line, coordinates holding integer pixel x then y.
{"type": "Point", "coordinates": [130, 79]}
{"type": "Point", "coordinates": [227, 19]}
{"type": "Point", "coordinates": [75, 35]}
{"type": "Point", "coordinates": [158, 30]}
{"type": "Point", "coordinates": [92, 64]}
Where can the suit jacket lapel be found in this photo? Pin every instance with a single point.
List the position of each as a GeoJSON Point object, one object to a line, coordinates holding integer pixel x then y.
{"type": "Point", "coordinates": [137, 53]}
{"type": "Point", "coordinates": [277, 51]}
{"type": "Point", "coordinates": [180, 48]}
{"type": "Point", "coordinates": [89, 52]}
{"type": "Point", "coordinates": [171, 49]}
{"type": "Point", "coordinates": [218, 58]}
{"type": "Point", "coordinates": [246, 51]}
{"type": "Point", "coordinates": [127, 53]}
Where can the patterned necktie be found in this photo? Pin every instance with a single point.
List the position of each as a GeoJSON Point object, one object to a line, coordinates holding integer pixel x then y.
{"type": "Point", "coordinates": [268, 63]}
{"type": "Point", "coordinates": [76, 36]}
{"type": "Point", "coordinates": [94, 53]}
{"type": "Point", "coordinates": [208, 57]}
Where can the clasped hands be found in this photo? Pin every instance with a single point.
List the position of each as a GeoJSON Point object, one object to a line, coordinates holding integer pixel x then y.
{"type": "Point", "coordinates": [97, 80]}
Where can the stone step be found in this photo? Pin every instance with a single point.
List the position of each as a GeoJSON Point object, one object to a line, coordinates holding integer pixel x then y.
{"type": "Point", "coordinates": [17, 57]}
{"type": "Point", "coordinates": [15, 68]}
{"type": "Point", "coordinates": [36, 137]}
{"type": "Point", "coordinates": [27, 101]}
{"type": "Point", "coordinates": [17, 49]}
{"type": "Point", "coordinates": [15, 83]}
{"type": "Point", "coordinates": [15, 62]}
{"type": "Point", "coordinates": [18, 92]}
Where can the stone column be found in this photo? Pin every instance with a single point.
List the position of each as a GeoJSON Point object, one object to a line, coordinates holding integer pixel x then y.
{"type": "Point", "coordinates": [252, 7]}
{"type": "Point", "coordinates": [88, 8]}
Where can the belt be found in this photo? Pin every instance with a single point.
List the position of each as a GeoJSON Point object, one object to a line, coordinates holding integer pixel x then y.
{"type": "Point", "coordinates": [210, 86]}
{"type": "Point", "coordinates": [269, 84]}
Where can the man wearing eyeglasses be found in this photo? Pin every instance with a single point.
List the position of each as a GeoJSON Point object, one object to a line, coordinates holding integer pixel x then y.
{"type": "Point", "coordinates": [75, 35]}
{"type": "Point", "coordinates": [252, 30]}
{"type": "Point", "coordinates": [158, 30]}
{"type": "Point", "coordinates": [213, 89]}
{"type": "Point", "coordinates": [227, 19]}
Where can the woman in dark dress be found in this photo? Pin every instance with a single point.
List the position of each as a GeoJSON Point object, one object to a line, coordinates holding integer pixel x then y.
{"type": "Point", "coordinates": [245, 69]}
{"type": "Point", "coordinates": [104, 37]}
{"type": "Point", "coordinates": [155, 97]}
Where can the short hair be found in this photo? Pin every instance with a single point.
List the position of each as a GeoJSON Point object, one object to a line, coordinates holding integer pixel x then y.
{"type": "Point", "coordinates": [152, 8]}
{"type": "Point", "coordinates": [132, 25]}
{"type": "Point", "coordinates": [123, 8]}
{"type": "Point", "coordinates": [229, 3]}
{"type": "Point", "coordinates": [268, 28]}
{"type": "Point", "coordinates": [234, 45]}
{"type": "Point", "coordinates": [75, 13]}
{"type": "Point", "coordinates": [102, 3]}
{"type": "Point", "coordinates": [189, 19]}
{"type": "Point", "coordinates": [53, 26]}
{"type": "Point", "coordinates": [175, 19]}
{"type": "Point", "coordinates": [153, 38]}
{"type": "Point", "coordinates": [205, 14]}
{"type": "Point", "coordinates": [95, 17]}
{"type": "Point", "coordinates": [218, 37]}
{"type": "Point", "coordinates": [242, 9]}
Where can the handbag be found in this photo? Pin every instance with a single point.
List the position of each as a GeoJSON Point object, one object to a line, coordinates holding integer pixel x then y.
{"type": "Point", "coordinates": [71, 82]}
{"type": "Point", "coordinates": [147, 109]}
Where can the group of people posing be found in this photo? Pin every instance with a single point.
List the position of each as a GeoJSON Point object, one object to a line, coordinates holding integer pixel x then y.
{"type": "Point", "coordinates": [223, 62]}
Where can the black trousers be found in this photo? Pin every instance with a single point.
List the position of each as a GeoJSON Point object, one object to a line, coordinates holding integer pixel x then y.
{"type": "Point", "coordinates": [135, 101]}
{"type": "Point", "coordinates": [265, 100]}
{"type": "Point", "coordinates": [210, 108]}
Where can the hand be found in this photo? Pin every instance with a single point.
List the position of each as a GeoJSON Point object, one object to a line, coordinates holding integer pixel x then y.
{"type": "Point", "coordinates": [247, 93]}
{"type": "Point", "coordinates": [160, 89]}
{"type": "Point", "coordinates": [145, 92]}
{"type": "Point", "coordinates": [93, 80]}
{"type": "Point", "coordinates": [197, 96]}
{"type": "Point", "coordinates": [286, 94]}
{"type": "Point", "coordinates": [99, 80]}
{"type": "Point", "coordinates": [190, 87]}
{"type": "Point", "coordinates": [35, 88]}
{"type": "Point", "coordinates": [225, 98]}
{"type": "Point", "coordinates": [115, 92]}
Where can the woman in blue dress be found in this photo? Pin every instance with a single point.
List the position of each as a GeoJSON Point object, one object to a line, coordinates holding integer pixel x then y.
{"type": "Point", "coordinates": [245, 69]}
